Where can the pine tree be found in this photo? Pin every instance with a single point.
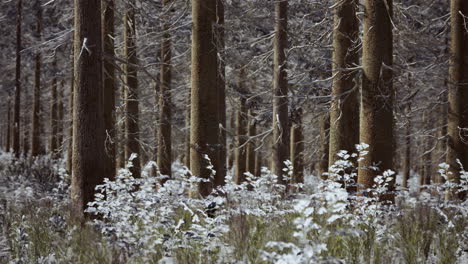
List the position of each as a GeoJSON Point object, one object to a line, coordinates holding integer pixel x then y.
{"type": "Point", "coordinates": [36, 125]}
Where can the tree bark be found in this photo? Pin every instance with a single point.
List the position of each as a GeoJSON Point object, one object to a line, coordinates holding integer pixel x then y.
{"type": "Point", "coordinates": [88, 125]}
{"type": "Point", "coordinates": [8, 126]}
{"type": "Point", "coordinates": [53, 148]}
{"type": "Point", "coordinates": [36, 148]}
{"type": "Point", "coordinates": [322, 165]}
{"type": "Point", "coordinates": [70, 113]}
{"type": "Point", "coordinates": [108, 8]}
{"type": "Point", "coordinates": [204, 135]}
{"type": "Point", "coordinates": [297, 148]}
{"type": "Point", "coordinates": [280, 92]}
{"type": "Point", "coordinates": [457, 96]}
{"type": "Point", "coordinates": [17, 106]}
{"type": "Point", "coordinates": [60, 117]}
{"type": "Point", "coordinates": [376, 115]}
{"type": "Point", "coordinates": [165, 115]}
{"type": "Point", "coordinates": [240, 152]}
{"type": "Point", "coordinates": [131, 91]}
{"type": "Point", "coordinates": [250, 148]}
{"type": "Point", "coordinates": [344, 110]}
{"type": "Point", "coordinates": [407, 154]}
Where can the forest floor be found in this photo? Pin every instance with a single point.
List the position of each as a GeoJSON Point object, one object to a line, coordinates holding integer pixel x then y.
{"type": "Point", "coordinates": [248, 224]}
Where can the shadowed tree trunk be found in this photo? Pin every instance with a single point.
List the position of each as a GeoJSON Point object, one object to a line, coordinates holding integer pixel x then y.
{"type": "Point", "coordinates": [165, 115]}
{"type": "Point", "coordinates": [60, 116]}
{"type": "Point", "coordinates": [36, 125]}
{"type": "Point", "coordinates": [297, 147]}
{"type": "Point", "coordinates": [8, 126]}
{"type": "Point", "coordinates": [108, 8]}
{"type": "Point", "coordinates": [204, 129]}
{"type": "Point", "coordinates": [70, 113]}
{"type": "Point", "coordinates": [376, 116]}
{"type": "Point", "coordinates": [344, 110]}
{"type": "Point", "coordinates": [187, 132]}
{"type": "Point", "coordinates": [322, 165]}
{"type": "Point", "coordinates": [457, 96]}
{"type": "Point", "coordinates": [240, 152]}
{"type": "Point", "coordinates": [88, 125]}
{"type": "Point", "coordinates": [230, 152]}
{"type": "Point", "coordinates": [131, 91]}
{"type": "Point", "coordinates": [407, 154]}
{"type": "Point", "coordinates": [280, 92]}
{"type": "Point", "coordinates": [17, 106]}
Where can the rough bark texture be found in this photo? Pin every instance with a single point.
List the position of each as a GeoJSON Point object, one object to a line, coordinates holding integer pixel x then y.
{"type": "Point", "coordinates": [60, 116]}
{"type": "Point", "coordinates": [240, 152]}
{"type": "Point", "coordinates": [280, 92]}
{"type": "Point", "coordinates": [108, 7]}
{"type": "Point", "coordinates": [36, 127]}
{"type": "Point", "coordinates": [131, 92]}
{"type": "Point", "coordinates": [88, 126]}
{"type": "Point", "coordinates": [322, 165]}
{"type": "Point", "coordinates": [376, 115]}
{"type": "Point", "coordinates": [344, 110]}
{"type": "Point", "coordinates": [165, 115]}
{"type": "Point", "coordinates": [187, 132]}
{"type": "Point", "coordinates": [17, 108]}
{"type": "Point", "coordinates": [457, 94]}
{"type": "Point", "coordinates": [221, 89]}
{"type": "Point", "coordinates": [70, 114]}
{"type": "Point", "coordinates": [297, 148]}
{"type": "Point", "coordinates": [204, 138]}
{"type": "Point", "coordinates": [8, 126]}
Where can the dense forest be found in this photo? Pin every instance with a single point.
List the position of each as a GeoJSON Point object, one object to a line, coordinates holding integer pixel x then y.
{"type": "Point", "coordinates": [229, 131]}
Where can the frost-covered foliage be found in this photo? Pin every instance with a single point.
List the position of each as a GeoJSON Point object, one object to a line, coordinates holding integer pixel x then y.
{"type": "Point", "coordinates": [138, 220]}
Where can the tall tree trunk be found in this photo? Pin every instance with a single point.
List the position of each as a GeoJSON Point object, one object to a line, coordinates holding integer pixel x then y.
{"type": "Point", "coordinates": [231, 148]}
{"type": "Point", "coordinates": [108, 8]}
{"type": "Point", "coordinates": [240, 152]}
{"type": "Point", "coordinates": [297, 148]}
{"type": "Point", "coordinates": [344, 110]}
{"type": "Point", "coordinates": [165, 116]}
{"type": "Point", "coordinates": [131, 91]}
{"type": "Point", "coordinates": [53, 148]}
{"type": "Point", "coordinates": [36, 125]}
{"type": "Point", "coordinates": [221, 87]}
{"type": "Point", "coordinates": [60, 116]}
{"type": "Point", "coordinates": [376, 116]}
{"type": "Point", "coordinates": [88, 126]}
{"type": "Point", "coordinates": [425, 176]}
{"type": "Point", "coordinates": [457, 96]}
{"type": "Point", "coordinates": [441, 134]}
{"type": "Point", "coordinates": [121, 160]}
{"type": "Point", "coordinates": [187, 132]}
{"type": "Point", "coordinates": [322, 165]}
{"type": "Point", "coordinates": [250, 148]}
{"type": "Point", "coordinates": [70, 113]}
{"type": "Point", "coordinates": [17, 109]}
{"type": "Point", "coordinates": [8, 126]}
{"type": "Point", "coordinates": [204, 138]}
{"type": "Point", "coordinates": [280, 92]}
{"type": "Point", "coordinates": [407, 154]}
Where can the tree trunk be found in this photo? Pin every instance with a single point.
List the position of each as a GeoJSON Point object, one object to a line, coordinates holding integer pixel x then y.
{"type": "Point", "coordinates": [407, 154]}
{"type": "Point", "coordinates": [131, 91]}
{"type": "Point", "coordinates": [165, 115]}
{"type": "Point", "coordinates": [187, 132]}
{"type": "Point", "coordinates": [457, 96]}
{"type": "Point", "coordinates": [204, 138]}
{"type": "Point", "coordinates": [250, 148]}
{"type": "Point", "coordinates": [280, 90]}
{"type": "Point", "coordinates": [231, 148]}
{"type": "Point", "coordinates": [70, 114]}
{"type": "Point", "coordinates": [60, 116]}
{"type": "Point", "coordinates": [322, 166]}
{"type": "Point", "coordinates": [17, 107]}
{"type": "Point", "coordinates": [108, 7]}
{"type": "Point", "coordinates": [240, 152]}
{"type": "Point", "coordinates": [376, 116]}
{"type": "Point", "coordinates": [36, 125]}
{"type": "Point", "coordinates": [221, 86]}
{"type": "Point", "coordinates": [297, 148]}
{"type": "Point", "coordinates": [344, 110]}
{"type": "Point", "coordinates": [88, 125]}
{"type": "Point", "coordinates": [53, 148]}
{"type": "Point", "coordinates": [8, 126]}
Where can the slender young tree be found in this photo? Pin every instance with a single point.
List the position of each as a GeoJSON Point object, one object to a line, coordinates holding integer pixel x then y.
{"type": "Point", "coordinates": [53, 112]}
{"type": "Point", "coordinates": [280, 92]}
{"type": "Point", "coordinates": [60, 116]}
{"type": "Point", "coordinates": [187, 132]}
{"type": "Point", "coordinates": [457, 96]}
{"type": "Point", "coordinates": [8, 125]}
{"type": "Point", "coordinates": [407, 153]}
{"type": "Point", "coordinates": [36, 125]}
{"type": "Point", "coordinates": [131, 92]}
{"type": "Point", "coordinates": [204, 135]}
{"type": "Point", "coordinates": [250, 155]}
{"type": "Point", "coordinates": [376, 115]}
{"type": "Point", "coordinates": [88, 127]}
{"type": "Point", "coordinates": [17, 106]}
{"type": "Point", "coordinates": [165, 115]}
{"type": "Point", "coordinates": [108, 8]}
{"type": "Point", "coordinates": [70, 112]}
{"type": "Point", "coordinates": [344, 110]}
{"type": "Point", "coordinates": [322, 164]}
